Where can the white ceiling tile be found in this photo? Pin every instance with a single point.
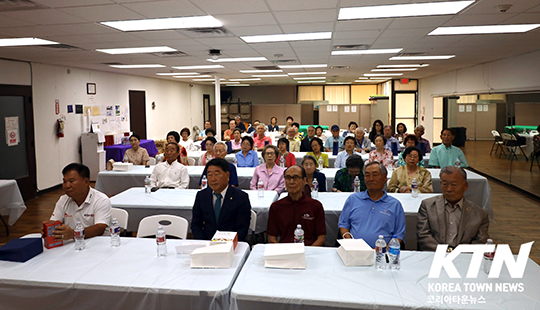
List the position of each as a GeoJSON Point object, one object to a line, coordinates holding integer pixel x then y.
{"type": "Point", "coordinates": [354, 25]}
{"type": "Point", "coordinates": [44, 17]}
{"type": "Point", "coordinates": [287, 5]}
{"type": "Point", "coordinates": [248, 31]}
{"type": "Point", "coordinates": [159, 35]}
{"type": "Point", "coordinates": [96, 38]}
{"type": "Point", "coordinates": [367, 41]}
{"type": "Point", "coordinates": [42, 32]}
{"type": "Point", "coordinates": [87, 28]}
{"type": "Point", "coordinates": [216, 42]}
{"type": "Point", "coordinates": [524, 18]}
{"type": "Point", "coordinates": [420, 22]}
{"type": "Point", "coordinates": [307, 16]}
{"type": "Point", "coordinates": [308, 27]}
{"type": "Point", "coordinates": [409, 32]}
{"type": "Point", "coordinates": [240, 20]}
{"type": "Point", "coordinates": [368, 34]}
{"type": "Point", "coordinates": [479, 19]}
{"type": "Point", "coordinates": [103, 13]}
{"type": "Point", "coordinates": [6, 21]}
{"type": "Point", "coordinates": [487, 7]}
{"type": "Point", "coordinates": [71, 3]}
{"type": "Point", "coordinates": [157, 9]}
{"type": "Point", "coordinates": [225, 7]}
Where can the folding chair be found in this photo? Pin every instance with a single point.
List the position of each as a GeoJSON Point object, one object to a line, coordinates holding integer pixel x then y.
{"type": "Point", "coordinates": [498, 142]}
{"type": "Point", "coordinates": [173, 225]}
{"type": "Point", "coordinates": [536, 152]}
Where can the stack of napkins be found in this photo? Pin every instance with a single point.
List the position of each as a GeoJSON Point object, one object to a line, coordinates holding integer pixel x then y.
{"type": "Point", "coordinates": [355, 252]}
{"type": "Point", "coordinates": [285, 255]}
{"type": "Point", "coordinates": [213, 256]}
{"type": "Point", "coordinates": [122, 166]}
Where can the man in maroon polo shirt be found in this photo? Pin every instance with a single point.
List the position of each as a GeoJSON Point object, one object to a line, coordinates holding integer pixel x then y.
{"type": "Point", "coordinates": [296, 208]}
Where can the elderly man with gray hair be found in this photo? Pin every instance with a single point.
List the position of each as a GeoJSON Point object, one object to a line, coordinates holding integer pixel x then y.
{"type": "Point", "coordinates": [372, 213]}
{"type": "Point", "coordinates": [423, 143]}
{"type": "Point", "coordinates": [450, 218]}
{"type": "Point", "coordinates": [362, 142]}
{"type": "Point", "coordinates": [294, 143]}
{"type": "Point", "coordinates": [220, 151]}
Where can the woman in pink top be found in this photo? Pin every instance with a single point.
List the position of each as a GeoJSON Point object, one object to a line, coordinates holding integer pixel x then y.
{"type": "Point", "coordinates": [209, 154]}
{"type": "Point", "coordinates": [236, 143]}
{"type": "Point", "coordinates": [381, 154]}
{"type": "Point", "coordinates": [270, 173]}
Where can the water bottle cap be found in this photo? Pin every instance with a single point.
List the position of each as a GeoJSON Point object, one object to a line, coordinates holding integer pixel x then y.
{"type": "Point", "coordinates": [381, 237]}
{"type": "Point", "coordinates": [298, 226]}
{"type": "Point", "coordinates": [114, 219]}
{"type": "Point", "coordinates": [160, 227]}
{"type": "Point", "coordinates": [394, 236]}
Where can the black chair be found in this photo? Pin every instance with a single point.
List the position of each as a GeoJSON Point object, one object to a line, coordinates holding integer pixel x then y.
{"type": "Point", "coordinates": [536, 152]}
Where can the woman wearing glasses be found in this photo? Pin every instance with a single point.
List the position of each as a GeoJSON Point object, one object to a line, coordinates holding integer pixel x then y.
{"type": "Point", "coordinates": [270, 173]}
{"type": "Point", "coordinates": [403, 176]}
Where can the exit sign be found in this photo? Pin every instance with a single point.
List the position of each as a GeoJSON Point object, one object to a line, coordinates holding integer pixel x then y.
{"type": "Point", "coordinates": [404, 81]}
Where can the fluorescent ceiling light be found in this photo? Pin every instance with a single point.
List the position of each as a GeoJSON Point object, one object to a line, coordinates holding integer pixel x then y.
{"type": "Point", "coordinates": [136, 66]}
{"type": "Point", "coordinates": [178, 73]}
{"type": "Point", "coordinates": [403, 10]}
{"type": "Point", "coordinates": [165, 23]}
{"type": "Point", "coordinates": [287, 37]}
{"type": "Point", "coordinates": [311, 78]}
{"type": "Point", "coordinates": [192, 77]}
{"type": "Point", "coordinates": [238, 80]}
{"type": "Point", "coordinates": [383, 74]}
{"type": "Point", "coordinates": [368, 52]}
{"type": "Point", "coordinates": [394, 69]}
{"type": "Point", "coordinates": [369, 81]}
{"type": "Point", "coordinates": [305, 73]}
{"type": "Point", "coordinates": [362, 78]}
{"type": "Point", "coordinates": [302, 66]}
{"type": "Point", "coordinates": [25, 42]}
{"type": "Point", "coordinates": [207, 80]}
{"type": "Point", "coordinates": [260, 71]}
{"type": "Point", "coordinates": [228, 83]}
{"type": "Point", "coordinates": [422, 57]}
{"type": "Point", "coordinates": [238, 59]}
{"type": "Point", "coordinates": [136, 50]}
{"type": "Point", "coordinates": [311, 81]}
{"type": "Point", "coordinates": [270, 75]}
{"type": "Point", "coordinates": [441, 31]}
{"type": "Point", "coordinates": [199, 67]}
{"type": "Point", "coordinates": [403, 66]}
{"type": "Point", "coordinates": [338, 83]}
{"type": "Point", "coordinates": [236, 84]}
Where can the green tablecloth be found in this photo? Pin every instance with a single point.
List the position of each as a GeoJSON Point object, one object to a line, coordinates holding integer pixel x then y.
{"type": "Point", "coordinates": [303, 128]}
{"type": "Point", "coordinates": [519, 129]}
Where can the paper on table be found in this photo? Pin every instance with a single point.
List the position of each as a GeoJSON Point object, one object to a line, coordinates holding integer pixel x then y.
{"type": "Point", "coordinates": [355, 252]}
{"type": "Point", "coordinates": [285, 255]}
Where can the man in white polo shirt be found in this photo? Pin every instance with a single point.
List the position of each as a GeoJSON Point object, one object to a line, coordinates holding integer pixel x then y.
{"type": "Point", "coordinates": [80, 203]}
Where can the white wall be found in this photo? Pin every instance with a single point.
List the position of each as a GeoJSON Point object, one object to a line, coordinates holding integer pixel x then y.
{"type": "Point", "coordinates": [514, 74]}
{"type": "Point", "coordinates": [177, 105]}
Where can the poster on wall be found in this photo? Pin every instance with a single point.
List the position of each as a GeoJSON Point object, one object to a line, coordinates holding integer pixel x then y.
{"type": "Point", "coordinates": [334, 108]}
{"type": "Point", "coordinates": [479, 108]}
{"type": "Point", "coordinates": [12, 130]}
{"type": "Point", "coordinates": [461, 108]}
{"type": "Point", "coordinates": [109, 110]}
{"type": "Point", "coordinates": [353, 109]}
{"type": "Point", "coordinates": [78, 109]}
{"type": "Point", "coordinates": [70, 108]}
{"type": "Point", "coordinates": [328, 108]}
{"type": "Point", "coordinates": [346, 109]}
{"type": "Point", "coordinates": [117, 110]}
{"type": "Point", "coordinates": [485, 107]}
{"type": "Point", "coordinates": [469, 108]}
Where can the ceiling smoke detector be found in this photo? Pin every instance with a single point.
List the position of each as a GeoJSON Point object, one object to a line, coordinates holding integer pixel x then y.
{"type": "Point", "coordinates": [503, 7]}
{"type": "Point", "coordinates": [214, 54]}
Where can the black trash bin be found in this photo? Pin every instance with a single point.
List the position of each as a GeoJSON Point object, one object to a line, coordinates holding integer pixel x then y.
{"type": "Point", "coordinates": [460, 136]}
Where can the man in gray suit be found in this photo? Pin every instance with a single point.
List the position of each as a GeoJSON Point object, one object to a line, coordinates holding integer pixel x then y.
{"type": "Point", "coordinates": [450, 218]}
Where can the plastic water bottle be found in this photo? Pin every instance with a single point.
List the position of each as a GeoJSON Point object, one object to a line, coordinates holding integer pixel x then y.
{"type": "Point", "coordinates": [315, 188]}
{"type": "Point", "coordinates": [260, 188]}
{"type": "Point", "coordinates": [414, 188]}
{"type": "Point", "coordinates": [161, 242]}
{"type": "Point", "coordinates": [204, 182]}
{"type": "Point", "coordinates": [488, 258]}
{"type": "Point", "coordinates": [298, 234]}
{"type": "Point", "coordinates": [380, 252]}
{"type": "Point", "coordinates": [393, 253]}
{"type": "Point", "coordinates": [282, 161]}
{"type": "Point", "coordinates": [126, 159]}
{"type": "Point", "coordinates": [356, 184]}
{"type": "Point", "coordinates": [320, 163]}
{"type": "Point", "coordinates": [147, 186]}
{"type": "Point", "coordinates": [235, 162]}
{"type": "Point", "coordinates": [457, 163]}
{"type": "Point", "coordinates": [79, 237]}
{"type": "Point", "coordinates": [115, 233]}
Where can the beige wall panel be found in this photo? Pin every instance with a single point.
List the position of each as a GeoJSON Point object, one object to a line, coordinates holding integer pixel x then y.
{"type": "Point", "coordinates": [263, 113]}
{"type": "Point", "coordinates": [486, 121]}
{"type": "Point", "coordinates": [365, 116]}
{"type": "Point", "coordinates": [360, 93]}
{"type": "Point", "coordinates": [467, 120]}
{"type": "Point", "coordinates": [346, 117]}
{"type": "Point", "coordinates": [527, 114]}
{"type": "Point", "coordinates": [327, 118]}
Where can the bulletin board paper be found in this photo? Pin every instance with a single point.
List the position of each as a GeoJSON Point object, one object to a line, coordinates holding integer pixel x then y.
{"type": "Point", "coordinates": [353, 109]}
{"type": "Point", "coordinates": [461, 108]}
{"type": "Point", "coordinates": [479, 108]}
{"type": "Point", "coordinates": [469, 108]}
{"type": "Point", "coordinates": [485, 107]}
{"type": "Point", "coordinates": [334, 108]}
{"type": "Point", "coordinates": [346, 108]}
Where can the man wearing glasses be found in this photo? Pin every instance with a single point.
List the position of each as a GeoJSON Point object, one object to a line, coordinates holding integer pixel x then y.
{"type": "Point", "coordinates": [296, 208]}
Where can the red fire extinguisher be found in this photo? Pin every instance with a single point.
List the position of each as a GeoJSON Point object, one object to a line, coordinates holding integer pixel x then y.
{"type": "Point", "coordinates": [59, 128]}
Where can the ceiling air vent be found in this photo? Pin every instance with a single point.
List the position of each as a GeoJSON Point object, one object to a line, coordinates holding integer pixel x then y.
{"type": "Point", "coordinates": [112, 63]}
{"type": "Point", "coordinates": [19, 5]}
{"type": "Point", "coordinates": [340, 67]}
{"type": "Point", "coordinates": [206, 32]}
{"type": "Point", "coordinates": [267, 68]}
{"type": "Point", "coordinates": [411, 54]}
{"type": "Point", "coordinates": [284, 61]}
{"type": "Point", "coordinates": [63, 47]}
{"type": "Point", "coordinates": [351, 47]}
{"type": "Point", "coordinates": [170, 54]}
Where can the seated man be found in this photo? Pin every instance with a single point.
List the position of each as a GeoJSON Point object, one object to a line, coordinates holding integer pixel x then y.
{"type": "Point", "coordinates": [422, 143]}
{"type": "Point", "coordinates": [344, 179]}
{"type": "Point", "coordinates": [372, 213]}
{"type": "Point", "coordinates": [296, 208]}
{"type": "Point", "coordinates": [239, 123]}
{"type": "Point", "coordinates": [450, 218]}
{"type": "Point", "coordinates": [390, 140]}
{"type": "Point", "coordinates": [170, 173]}
{"type": "Point", "coordinates": [220, 151]}
{"type": "Point", "coordinates": [253, 128]}
{"type": "Point", "coordinates": [329, 143]}
{"type": "Point", "coordinates": [294, 143]}
{"type": "Point", "coordinates": [362, 142]}
{"type": "Point", "coordinates": [220, 206]}
{"type": "Point", "coordinates": [80, 203]}
{"type": "Point", "coordinates": [446, 154]}
{"type": "Point", "coordinates": [305, 146]}
{"type": "Point", "coordinates": [260, 139]}
{"type": "Point", "coordinates": [202, 134]}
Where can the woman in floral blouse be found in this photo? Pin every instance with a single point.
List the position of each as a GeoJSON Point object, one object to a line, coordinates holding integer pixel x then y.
{"type": "Point", "coordinates": [136, 154]}
{"type": "Point", "coordinates": [381, 154]}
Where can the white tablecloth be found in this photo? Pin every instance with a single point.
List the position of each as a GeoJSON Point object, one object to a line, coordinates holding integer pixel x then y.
{"type": "Point", "coordinates": [128, 277]}
{"type": "Point", "coordinates": [529, 140]}
{"type": "Point", "coordinates": [328, 284]}
{"type": "Point", "coordinates": [177, 202]}
{"type": "Point", "coordinates": [11, 201]}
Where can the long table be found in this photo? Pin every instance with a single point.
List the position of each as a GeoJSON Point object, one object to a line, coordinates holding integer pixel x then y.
{"type": "Point", "coordinates": [11, 201]}
{"type": "Point", "coordinates": [327, 283]}
{"type": "Point", "coordinates": [128, 277]}
{"type": "Point", "coordinates": [179, 202]}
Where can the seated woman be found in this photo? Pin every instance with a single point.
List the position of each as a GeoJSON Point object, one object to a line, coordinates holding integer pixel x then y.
{"type": "Point", "coordinates": [343, 181]}
{"type": "Point", "coordinates": [288, 158]}
{"type": "Point", "coordinates": [317, 146]}
{"type": "Point", "coordinates": [186, 141]}
{"type": "Point", "coordinates": [210, 132]}
{"type": "Point", "coordinates": [270, 173]}
{"type": "Point", "coordinates": [310, 166]}
{"type": "Point", "coordinates": [209, 154]}
{"type": "Point", "coordinates": [350, 144]}
{"type": "Point", "coordinates": [247, 157]}
{"type": "Point", "coordinates": [376, 130]}
{"type": "Point", "coordinates": [319, 133]}
{"type": "Point", "coordinates": [410, 140]}
{"type": "Point", "coordinates": [273, 125]}
{"type": "Point", "coordinates": [380, 154]}
{"type": "Point", "coordinates": [173, 136]}
{"type": "Point", "coordinates": [137, 155]}
{"type": "Point", "coordinates": [236, 142]}
{"type": "Point", "coordinates": [403, 176]}
{"type": "Point", "coordinates": [352, 129]}
{"type": "Point", "coordinates": [401, 132]}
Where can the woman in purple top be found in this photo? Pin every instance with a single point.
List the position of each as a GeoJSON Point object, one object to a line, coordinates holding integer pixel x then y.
{"type": "Point", "coordinates": [270, 173]}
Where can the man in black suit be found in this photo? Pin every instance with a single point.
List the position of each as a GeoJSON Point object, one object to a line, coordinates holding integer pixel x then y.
{"type": "Point", "coordinates": [220, 206]}
{"type": "Point", "coordinates": [305, 146]}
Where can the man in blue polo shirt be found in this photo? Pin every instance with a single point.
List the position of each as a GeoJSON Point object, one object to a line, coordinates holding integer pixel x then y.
{"type": "Point", "coordinates": [372, 213]}
{"type": "Point", "coordinates": [329, 143]}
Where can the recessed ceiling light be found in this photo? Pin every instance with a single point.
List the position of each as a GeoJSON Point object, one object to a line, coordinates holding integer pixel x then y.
{"type": "Point", "coordinates": [383, 74]}
{"type": "Point", "coordinates": [302, 66]}
{"type": "Point", "coordinates": [441, 31]}
{"type": "Point", "coordinates": [178, 73]}
{"type": "Point", "coordinates": [192, 76]}
{"type": "Point", "coordinates": [368, 52]}
{"type": "Point", "coordinates": [25, 42]}
{"type": "Point", "coordinates": [238, 59]}
{"type": "Point", "coordinates": [136, 66]}
{"type": "Point", "coordinates": [207, 80]}
{"type": "Point", "coordinates": [394, 69]}
{"type": "Point", "coordinates": [270, 75]}
{"type": "Point", "coordinates": [305, 73]}
{"type": "Point", "coordinates": [422, 57]}
{"type": "Point", "coordinates": [311, 81]}
{"type": "Point", "coordinates": [136, 50]}
{"type": "Point", "coordinates": [310, 78]}
{"type": "Point", "coordinates": [260, 71]}
{"type": "Point", "coordinates": [287, 37]}
{"type": "Point", "coordinates": [403, 10]}
{"type": "Point", "coordinates": [199, 67]}
{"type": "Point", "coordinates": [403, 66]}
{"type": "Point", "coordinates": [165, 23]}
{"type": "Point", "coordinates": [238, 80]}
